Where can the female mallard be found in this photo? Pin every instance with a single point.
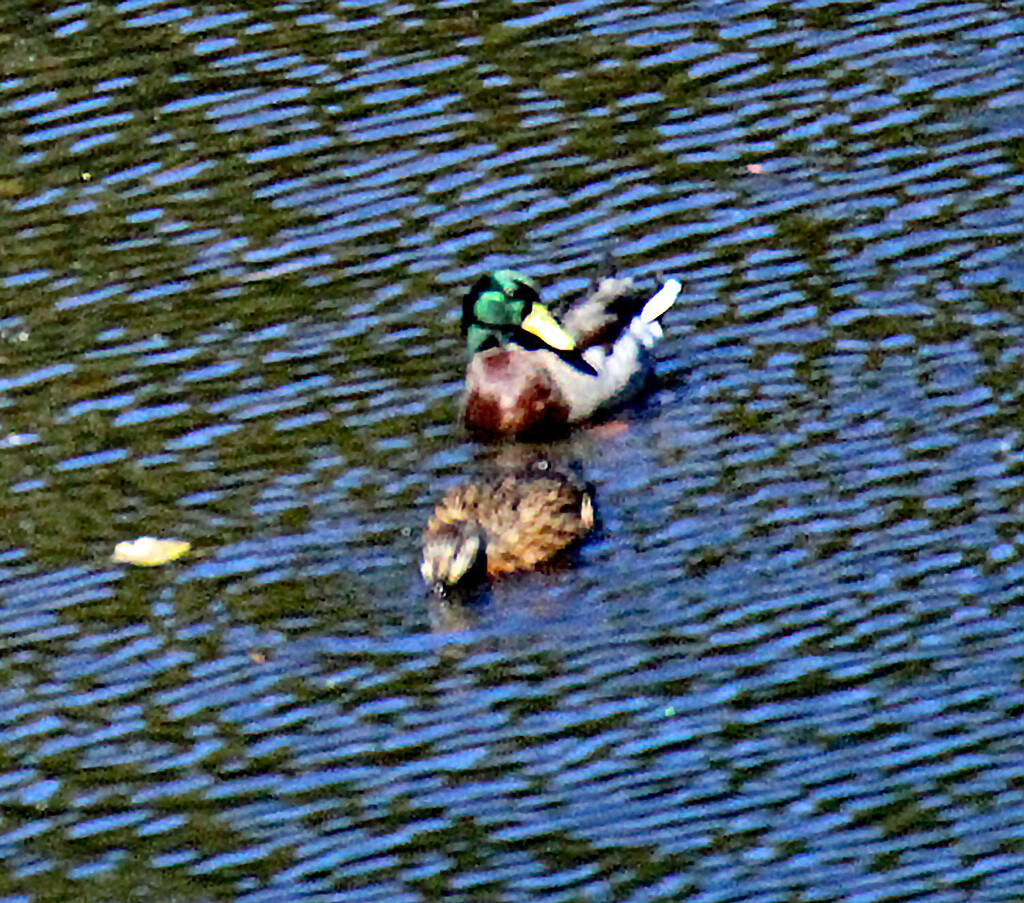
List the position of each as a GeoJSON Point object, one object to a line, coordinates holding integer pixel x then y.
{"type": "Point", "coordinates": [503, 524]}
{"type": "Point", "coordinates": [531, 373]}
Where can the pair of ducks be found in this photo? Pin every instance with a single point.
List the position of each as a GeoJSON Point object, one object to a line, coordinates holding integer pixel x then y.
{"type": "Point", "coordinates": [532, 374]}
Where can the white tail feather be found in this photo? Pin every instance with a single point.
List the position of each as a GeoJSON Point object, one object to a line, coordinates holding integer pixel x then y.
{"type": "Point", "coordinates": [661, 301]}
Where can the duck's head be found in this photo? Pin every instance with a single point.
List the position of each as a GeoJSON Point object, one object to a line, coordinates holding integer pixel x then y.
{"type": "Point", "coordinates": [454, 554]}
{"type": "Point", "coordinates": [503, 307]}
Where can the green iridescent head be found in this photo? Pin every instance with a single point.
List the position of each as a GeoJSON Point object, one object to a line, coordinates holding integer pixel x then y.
{"type": "Point", "coordinates": [503, 307]}
{"type": "Point", "coordinates": [495, 307]}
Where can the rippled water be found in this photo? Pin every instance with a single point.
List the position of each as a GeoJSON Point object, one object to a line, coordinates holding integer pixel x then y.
{"type": "Point", "coordinates": [232, 248]}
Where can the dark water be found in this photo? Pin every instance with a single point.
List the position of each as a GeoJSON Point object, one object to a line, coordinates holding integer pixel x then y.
{"type": "Point", "coordinates": [232, 243]}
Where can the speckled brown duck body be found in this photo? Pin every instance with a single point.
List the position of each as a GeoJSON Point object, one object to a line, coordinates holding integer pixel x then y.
{"type": "Point", "coordinates": [507, 523]}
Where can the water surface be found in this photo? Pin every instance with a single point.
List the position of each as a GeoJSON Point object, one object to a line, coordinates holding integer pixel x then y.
{"type": "Point", "coordinates": [233, 244]}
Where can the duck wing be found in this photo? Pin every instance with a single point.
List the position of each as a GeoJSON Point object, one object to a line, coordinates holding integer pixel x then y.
{"type": "Point", "coordinates": [604, 312]}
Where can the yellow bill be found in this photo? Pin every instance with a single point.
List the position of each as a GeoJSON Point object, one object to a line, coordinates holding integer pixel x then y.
{"type": "Point", "coordinates": [541, 323]}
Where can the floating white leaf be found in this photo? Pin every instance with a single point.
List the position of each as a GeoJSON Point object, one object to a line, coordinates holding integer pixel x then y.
{"type": "Point", "coordinates": [147, 551]}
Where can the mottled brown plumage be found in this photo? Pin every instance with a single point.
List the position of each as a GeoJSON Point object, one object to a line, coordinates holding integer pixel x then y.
{"type": "Point", "coordinates": [503, 524]}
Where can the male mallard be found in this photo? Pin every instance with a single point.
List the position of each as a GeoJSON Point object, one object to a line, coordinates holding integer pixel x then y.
{"type": "Point", "coordinates": [531, 373]}
{"type": "Point", "coordinates": [503, 524]}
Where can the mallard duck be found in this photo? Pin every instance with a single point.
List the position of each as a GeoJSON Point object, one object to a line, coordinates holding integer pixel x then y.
{"type": "Point", "coordinates": [501, 524]}
{"type": "Point", "coordinates": [530, 372]}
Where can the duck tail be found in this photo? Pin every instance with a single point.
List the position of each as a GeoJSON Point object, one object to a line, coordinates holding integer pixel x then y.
{"type": "Point", "coordinates": [661, 301]}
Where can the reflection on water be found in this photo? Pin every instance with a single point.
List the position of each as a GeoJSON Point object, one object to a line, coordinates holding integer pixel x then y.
{"type": "Point", "coordinates": [233, 244]}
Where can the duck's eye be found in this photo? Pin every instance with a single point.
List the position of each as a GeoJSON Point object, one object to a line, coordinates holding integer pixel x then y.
{"type": "Point", "coordinates": [523, 292]}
